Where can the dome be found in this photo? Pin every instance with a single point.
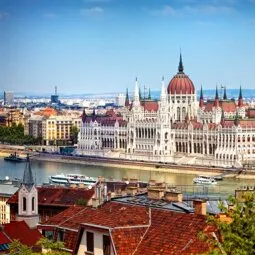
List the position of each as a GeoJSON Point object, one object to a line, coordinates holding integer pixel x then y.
{"type": "Point", "coordinates": [181, 83]}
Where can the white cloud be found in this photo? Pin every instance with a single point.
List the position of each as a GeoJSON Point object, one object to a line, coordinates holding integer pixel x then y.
{"type": "Point", "coordinates": [92, 10]}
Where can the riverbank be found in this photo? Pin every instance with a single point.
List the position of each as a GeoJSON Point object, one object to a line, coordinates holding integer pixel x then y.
{"type": "Point", "coordinates": [121, 164]}
{"type": "Point", "coordinates": [128, 164]}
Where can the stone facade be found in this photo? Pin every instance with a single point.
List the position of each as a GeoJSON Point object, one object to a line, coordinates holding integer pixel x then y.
{"type": "Point", "coordinates": [176, 129]}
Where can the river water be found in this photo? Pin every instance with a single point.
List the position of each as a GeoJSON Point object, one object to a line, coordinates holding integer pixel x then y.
{"type": "Point", "coordinates": [42, 170]}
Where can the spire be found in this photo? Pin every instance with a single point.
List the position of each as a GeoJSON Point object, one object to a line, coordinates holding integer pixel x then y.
{"type": "Point", "coordinates": [136, 93]}
{"type": "Point", "coordinates": [28, 179]}
{"type": "Point", "coordinates": [216, 93]}
{"type": "Point", "coordinates": [240, 98]}
{"type": "Point", "coordinates": [83, 116]}
{"type": "Point", "coordinates": [225, 93]}
{"type": "Point", "coordinates": [140, 94]}
{"type": "Point", "coordinates": [127, 99]}
{"type": "Point", "coordinates": [163, 90]}
{"type": "Point", "coordinates": [201, 100]}
{"type": "Point", "coordinates": [149, 96]}
{"type": "Point", "coordinates": [180, 67]}
{"type": "Point", "coordinates": [216, 102]}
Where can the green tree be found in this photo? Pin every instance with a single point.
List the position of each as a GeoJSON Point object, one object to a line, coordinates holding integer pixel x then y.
{"type": "Point", "coordinates": [49, 247]}
{"type": "Point", "coordinates": [238, 234]}
{"type": "Point", "coordinates": [74, 134]}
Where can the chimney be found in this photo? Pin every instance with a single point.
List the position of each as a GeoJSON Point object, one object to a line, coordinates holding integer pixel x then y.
{"type": "Point", "coordinates": [173, 196]}
{"type": "Point", "coordinates": [199, 206]}
{"type": "Point", "coordinates": [155, 193]}
{"type": "Point", "coordinates": [95, 202]}
{"type": "Point", "coordinates": [131, 190]}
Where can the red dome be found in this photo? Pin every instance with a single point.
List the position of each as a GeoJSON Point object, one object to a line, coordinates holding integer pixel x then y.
{"type": "Point", "coordinates": [181, 84]}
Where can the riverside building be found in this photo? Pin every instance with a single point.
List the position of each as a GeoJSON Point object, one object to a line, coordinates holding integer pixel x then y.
{"type": "Point", "coordinates": [175, 129]}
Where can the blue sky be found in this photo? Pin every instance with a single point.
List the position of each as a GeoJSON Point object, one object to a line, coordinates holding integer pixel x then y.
{"type": "Point", "coordinates": [94, 46]}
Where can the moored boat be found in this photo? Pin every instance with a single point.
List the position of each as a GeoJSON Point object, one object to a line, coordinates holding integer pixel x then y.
{"type": "Point", "coordinates": [15, 158]}
{"type": "Point", "coordinates": [72, 179]}
{"type": "Point", "coordinates": [203, 179]}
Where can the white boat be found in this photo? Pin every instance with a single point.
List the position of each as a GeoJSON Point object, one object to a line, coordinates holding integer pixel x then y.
{"type": "Point", "coordinates": [72, 179]}
{"type": "Point", "coordinates": [203, 179]}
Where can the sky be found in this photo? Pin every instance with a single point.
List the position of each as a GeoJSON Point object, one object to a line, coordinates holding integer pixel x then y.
{"type": "Point", "coordinates": [99, 46]}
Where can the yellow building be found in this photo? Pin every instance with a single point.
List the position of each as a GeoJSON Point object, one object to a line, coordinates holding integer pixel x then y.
{"type": "Point", "coordinates": [7, 189]}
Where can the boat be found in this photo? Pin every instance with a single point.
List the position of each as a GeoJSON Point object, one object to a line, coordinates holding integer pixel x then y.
{"type": "Point", "coordinates": [203, 179]}
{"type": "Point", "coordinates": [72, 179]}
{"type": "Point", "coordinates": [15, 158]}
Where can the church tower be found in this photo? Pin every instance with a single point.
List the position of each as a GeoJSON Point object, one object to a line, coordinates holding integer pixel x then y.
{"type": "Point", "coordinates": [28, 198]}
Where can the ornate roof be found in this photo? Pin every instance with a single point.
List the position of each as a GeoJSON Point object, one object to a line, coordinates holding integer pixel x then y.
{"type": "Point", "coordinates": [181, 83]}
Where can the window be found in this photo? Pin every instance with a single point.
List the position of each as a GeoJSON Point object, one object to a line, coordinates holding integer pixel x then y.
{"type": "Point", "coordinates": [106, 245]}
{"type": "Point", "coordinates": [24, 204]}
{"type": "Point", "coordinates": [60, 236]}
{"type": "Point", "coordinates": [90, 241]}
{"type": "Point", "coordinates": [33, 204]}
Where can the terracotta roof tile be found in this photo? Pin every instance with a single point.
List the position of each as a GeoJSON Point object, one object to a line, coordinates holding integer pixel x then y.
{"type": "Point", "coordinates": [150, 105]}
{"type": "Point", "coordinates": [19, 230]}
{"type": "Point", "coordinates": [58, 196]}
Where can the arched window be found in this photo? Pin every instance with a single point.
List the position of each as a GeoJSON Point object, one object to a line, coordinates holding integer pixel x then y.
{"type": "Point", "coordinates": [33, 204]}
{"type": "Point", "coordinates": [24, 204]}
{"type": "Point", "coordinates": [178, 114]}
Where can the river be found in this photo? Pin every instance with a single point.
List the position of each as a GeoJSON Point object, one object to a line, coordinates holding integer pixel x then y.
{"type": "Point", "coordinates": [43, 169]}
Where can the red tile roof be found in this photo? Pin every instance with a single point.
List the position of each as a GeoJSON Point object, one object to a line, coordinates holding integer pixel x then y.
{"type": "Point", "coordinates": [58, 196]}
{"type": "Point", "coordinates": [169, 232]}
{"type": "Point", "coordinates": [226, 106]}
{"type": "Point", "coordinates": [150, 105]}
{"type": "Point", "coordinates": [19, 230]}
{"type": "Point", "coordinates": [4, 238]}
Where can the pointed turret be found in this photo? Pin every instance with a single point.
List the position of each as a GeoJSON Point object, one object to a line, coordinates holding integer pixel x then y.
{"type": "Point", "coordinates": [163, 90]}
{"type": "Point", "coordinates": [180, 67]}
{"type": "Point", "coordinates": [240, 98]}
{"type": "Point", "coordinates": [225, 93]}
{"type": "Point", "coordinates": [216, 102]}
{"type": "Point", "coordinates": [136, 100]}
{"type": "Point", "coordinates": [28, 179]}
{"type": "Point", "coordinates": [201, 99]}
{"type": "Point", "coordinates": [83, 116]}
{"type": "Point", "coordinates": [140, 94]}
{"type": "Point", "coordinates": [127, 99]}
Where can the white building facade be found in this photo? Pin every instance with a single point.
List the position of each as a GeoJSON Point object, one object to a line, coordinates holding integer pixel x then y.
{"type": "Point", "coordinates": [176, 129]}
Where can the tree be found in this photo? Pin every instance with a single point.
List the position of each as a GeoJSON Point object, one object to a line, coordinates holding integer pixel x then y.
{"type": "Point", "coordinates": [49, 247]}
{"type": "Point", "coordinates": [74, 134]}
{"type": "Point", "coordinates": [238, 233]}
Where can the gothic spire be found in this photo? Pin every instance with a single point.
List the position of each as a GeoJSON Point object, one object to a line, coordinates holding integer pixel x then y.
{"type": "Point", "coordinates": [225, 93]}
{"type": "Point", "coordinates": [180, 67]}
{"type": "Point", "coordinates": [201, 100]}
{"type": "Point", "coordinates": [83, 116]}
{"type": "Point", "coordinates": [240, 98]}
{"type": "Point", "coordinates": [216, 102]}
{"type": "Point", "coordinates": [28, 179]}
{"type": "Point", "coordinates": [216, 93]}
{"type": "Point", "coordinates": [149, 96]}
{"type": "Point", "coordinates": [240, 93]}
{"type": "Point", "coordinates": [127, 99]}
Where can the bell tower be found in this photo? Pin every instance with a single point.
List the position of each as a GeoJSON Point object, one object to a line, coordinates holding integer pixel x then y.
{"type": "Point", "coordinates": [28, 198]}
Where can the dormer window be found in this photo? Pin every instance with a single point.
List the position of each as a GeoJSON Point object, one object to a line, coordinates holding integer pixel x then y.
{"type": "Point", "coordinates": [90, 242]}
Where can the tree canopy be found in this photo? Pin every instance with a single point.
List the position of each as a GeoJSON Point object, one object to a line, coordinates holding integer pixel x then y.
{"type": "Point", "coordinates": [237, 234]}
